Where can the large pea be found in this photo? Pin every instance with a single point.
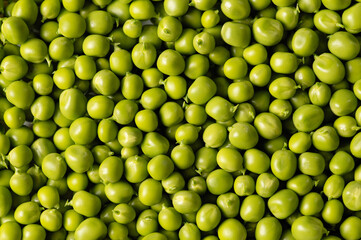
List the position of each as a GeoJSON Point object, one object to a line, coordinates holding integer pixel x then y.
{"type": "Point", "coordinates": [311, 204]}
{"type": "Point", "coordinates": [283, 203]}
{"type": "Point", "coordinates": [308, 117]}
{"type": "Point", "coordinates": [20, 94]}
{"type": "Point", "coordinates": [27, 213]}
{"type": "Point", "coordinates": [79, 158]}
{"type": "Point", "coordinates": [239, 132]}
{"type": "Point", "coordinates": [252, 208]}
{"type": "Point", "coordinates": [201, 90]}
{"type": "Point", "coordinates": [186, 201]}
{"type": "Point", "coordinates": [311, 163]}
{"type": "Point", "coordinates": [72, 103]}
{"type": "Point", "coordinates": [334, 186]}
{"type": "Point", "coordinates": [268, 228]}
{"type": "Point", "coordinates": [325, 139]}
{"type": "Point", "coordinates": [86, 204]}
{"type": "Point", "coordinates": [15, 30]}
{"type": "Point", "coordinates": [231, 32]}
{"type": "Point", "coordinates": [301, 184]}
{"type": "Point", "coordinates": [351, 196]}
{"type": "Point", "coordinates": [268, 125]}
{"type": "Point", "coordinates": [328, 68]}
{"type": "Point", "coordinates": [283, 164]}
{"type": "Point", "coordinates": [91, 228]}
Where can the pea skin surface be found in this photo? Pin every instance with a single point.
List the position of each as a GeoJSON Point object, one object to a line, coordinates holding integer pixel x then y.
{"type": "Point", "coordinates": [180, 119]}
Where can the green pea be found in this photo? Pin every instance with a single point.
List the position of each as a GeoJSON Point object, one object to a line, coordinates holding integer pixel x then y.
{"type": "Point", "coordinates": [328, 68]}
{"type": "Point", "coordinates": [154, 144]}
{"type": "Point", "coordinates": [301, 184]}
{"type": "Point", "coordinates": [232, 228]}
{"type": "Point", "coordinates": [283, 164]}
{"type": "Point", "coordinates": [147, 222]}
{"type": "Point", "coordinates": [214, 135]}
{"type": "Point", "coordinates": [266, 185]}
{"type": "Point", "coordinates": [160, 167]}
{"type": "Point", "coordinates": [349, 228]}
{"type": "Point", "coordinates": [241, 131]}
{"type": "Point", "coordinates": [14, 117]}
{"type": "Point", "coordinates": [332, 211]}
{"type": "Point", "coordinates": [205, 160]}
{"type": "Point", "coordinates": [345, 106]}
{"type": "Point", "coordinates": [196, 66]}
{"type": "Point", "coordinates": [236, 9]}
{"type": "Point", "coordinates": [182, 156]}
{"type": "Point", "coordinates": [33, 231]}
{"type": "Point", "coordinates": [311, 163]}
{"type": "Point", "coordinates": [195, 114]}
{"type": "Point", "coordinates": [245, 113]}
{"type": "Point", "coordinates": [124, 111]}
{"type": "Point", "coordinates": [325, 139]}
{"type": "Point", "coordinates": [350, 196]}
{"type": "Point", "coordinates": [283, 203]}
{"type": "Point", "coordinates": [229, 159]}
{"type": "Point", "coordinates": [27, 213]}
{"type": "Point", "coordinates": [78, 158]}
{"type": "Point", "coordinates": [230, 31]}
{"type": "Point", "coordinates": [170, 62]}
{"type": "Point", "coordinates": [341, 163]}
{"type": "Point", "coordinates": [189, 231]}
{"type": "Point", "coordinates": [6, 200]}
{"type": "Point", "coordinates": [219, 181]}
{"type": "Point", "coordinates": [135, 169]}
{"type": "Point", "coordinates": [173, 183]}
{"type": "Point", "coordinates": [314, 227]}
{"type": "Point", "coordinates": [20, 136]}
{"type": "Point", "coordinates": [91, 228]}
{"type": "Point", "coordinates": [21, 183]}
{"type": "Point", "coordinates": [185, 201]}
{"type": "Point", "coordinates": [308, 117]}
{"type": "Point", "coordinates": [72, 103]}
{"type": "Point", "coordinates": [268, 228]}
{"type": "Point", "coordinates": [311, 204]}
{"type": "Point", "coordinates": [15, 30]}
{"type": "Point", "coordinates": [288, 16]}
{"type": "Point", "coordinates": [10, 230]}
{"type": "Point", "coordinates": [67, 27]}
{"type": "Point", "coordinates": [146, 120]}
{"type": "Point", "coordinates": [86, 204]}
{"type": "Point", "coordinates": [252, 208]}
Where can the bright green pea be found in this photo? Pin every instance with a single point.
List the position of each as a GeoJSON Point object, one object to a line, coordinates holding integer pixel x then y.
{"type": "Point", "coordinates": [170, 62]}
{"type": "Point", "coordinates": [201, 90]}
{"type": "Point", "coordinates": [328, 68]}
{"type": "Point", "coordinates": [169, 29]}
{"type": "Point", "coordinates": [345, 106]}
{"type": "Point", "coordinates": [311, 204]}
{"type": "Point", "coordinates": [78, 158]}
{"type": "Point", "coordinates": [186, 201]}
{"type": "Point", "coordinates": [268, 228]}
{"type": "Point", "coordinates": [91, 228]}
{"type": "Point", "coordinates": [308, 117]}
{"type": "Point", "coordinates": [350, 228]}
{"type": "Point", "coordinates": [325, 139]}
{"type": "Point", "coordinates": [173, 183]}
{"type": "Point", "coordinates": [27, 213]}
{"type": "Point", "coordinates": [33, 231]}
{"type": "Point", "coordinates": [230, 31]}
{"type": "Point", "coordinates": [238, 132]}
{"type": "Point", "coordinates": [10, 230]}
{"type": "Point", "coordinates": [307, 227]}
{"type": "Point", "coordinates": [154, 144]}
{"type": "Point", "coordinates": [283, 164]}
{"type": "Point", "coordinates": [311, 163]}
{"type": "Point", "coordinates": [15, 30]}
{"type": "Point", "coordinates": [67, 27]}
{"type": "Point", "coordinates": [267, 31]}
{"type": "Point", "coordinates": [351, 196]}
{"type": "Point", "coordinates": [301, 184]}
{"type": "Point", "coordinates": [332, 211]}
{"type": "Point", "coordinates": [252, 208]}
{"type": "Point", "coordinates": [197, 65]}
{"type": "Point", "coordinates": [111, 169]}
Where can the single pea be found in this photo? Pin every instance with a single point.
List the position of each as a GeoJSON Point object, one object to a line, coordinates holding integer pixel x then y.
{"type": "Point", "coordinates": [325, 139]}
{"type": "Point", "coordinates": [283, 164]}
{"type": "Point", "coordinates": [311, 163]}
{"type": "Point", "coordinates": [288, 16]}
{"type": "Point", "coordinates": [332, 211]}
{"type": "Point", "coordinates": [170, 62]}
{"type": "Point", "coordinates": [308, 117]}
{"type": "Point", "coordinates": [176, 8]}
{"type": "Point", "coordinates": [135, 169]}
{"type": "Point", "coordinates": [230, 31]}
{"type": "Point", "coordinates": [33, 231]}
{"type": "Point", "coordinates": [252, 208]}
{"type": "Point", "coordinates": [185, 201]}
{"type": "Point", "coordinates": [10, 230]}
{"type": "Point", "coordinates": [328, 68]}
{"type": "Point", "coordinates": [183, 156]}
{"type": "Point", "coordinates": [91, 228]}
{"type": "Point", "coordinates": [240, 131]}
{"type": "Point", "coordinates": [345, 106]}
{"type": "Point", "coordinates": [301, 184]}
{"type": "Point", "coordinates": [264, 122]}
{"type": "Point", "coordinates": [189, 231]}
{"type": "Point", "coordinates": [201, 90]}
{"type": "Point", "coordinates": [350, 196]}
{"type": "Point", "coordinates": [311, 204]}
{"type": "Point", "coordinates": [27, 213]}
{"type": "Point", "coordinates": [314, 227]}
{"type": "Point", "coordinates": [78, 158]}
{"type": "Point", "coordinates": [196, 66]}
{"type": "Point", "coordinates": [236, 9]}
{"type": "Point", "coordinates": [67, 27]}
{"type": "Point", "coordinates": [129, 136]}
{"type": "Point", "coordinates": [283, 203]}
{"type": "Point", "coordinates": [175, 87]}
{"type": "Point", "coordinates": [21, 183]}
{"type": "Point", "coordinates": [208, 217]}
{"type": "Point", "coordinates": [268, 228]}
{"type": "Point", "coordinates": [173, 183]}
{"type": "Point", "coordinates": [86, 204]}
{"type": "Point", "coordinates": [267, 31]}
{"type": "Point", "coordinates": [154, 144]}
{"type": "Point", "coordinates": [266, 185]}
{"type": "Point", "coordinates": [15, 30]}
{"type": "Point", "coordinates": [349, 228]}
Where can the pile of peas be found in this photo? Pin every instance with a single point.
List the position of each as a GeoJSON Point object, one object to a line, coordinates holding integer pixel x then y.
{"type": "Point", "coordinates": [156, 120]}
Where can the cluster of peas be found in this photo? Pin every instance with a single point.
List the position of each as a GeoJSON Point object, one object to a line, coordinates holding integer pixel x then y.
{"type": "Point", "coordinates": [155, 120]}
